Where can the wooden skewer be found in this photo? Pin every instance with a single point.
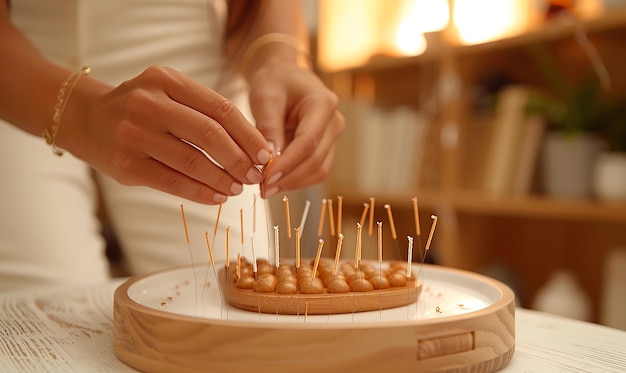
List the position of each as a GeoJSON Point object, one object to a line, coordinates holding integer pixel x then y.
{"type": "Point", "coordinates": [287, 216]}
{"type": "Point", "coordinates": [297, 248]}
{"type": "Point", "coordinates": [277, 246]}
{"type": "Point", "coordinates": [182, 213]}
{"type": "Point", "coordinates": [417, 216]}
{"type": "Point", "coordinates": [208, 244]}
{"type": "Point", "coordinates": [320, 227]}
{"type": "Point", "coordinates": [337, 253]}
{"type": "Point", "coordinates": [217, 221]}
{"type": "Point", "coordinates": [357, 251]}
{"type": "Point", "coordinates": [331, 218]}
{"type": "Point", "coordinates": [339, 213]}
{"type": "Point", "coordinates": [238, 268]}
{"type": "Point", "coordinates": [364, 213]}
{"type": "Point", "coordinates": [371, 223]}
{"type": "Point", "coordinates": [241, 233]}
{"type": "Point", "coordinates": [212, 260]}
{"type": "Point", "coordinates": [430, 238]}
{"type": "Point", "coordinates": [193, 267]}
{"type": "Point", "coordinates": [254, 264]}
{"type": "Point", "coordinates": [409, 256]}
{"type": "Point", "coordinates": [391, 224]}
{"type": "Point", "coordinates": [305, 214]}
{"type": "Point", "coordinates": [317, 257]}
{"type": "Point", "coordinates": [432, 232]}
{"type": "Point", "coordinates": [380, 241]}
{"type": "Point", "coordinates": [227, 246]}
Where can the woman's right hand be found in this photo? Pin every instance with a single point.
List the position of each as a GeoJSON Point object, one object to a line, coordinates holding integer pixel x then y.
{"type": "Point", "coordinates": [140, 133]}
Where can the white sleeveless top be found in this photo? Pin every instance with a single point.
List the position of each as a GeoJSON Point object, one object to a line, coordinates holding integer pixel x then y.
{"type": "Point", "coordinates": [119, 39]}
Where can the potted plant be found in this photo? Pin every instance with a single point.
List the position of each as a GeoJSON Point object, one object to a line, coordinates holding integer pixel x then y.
{"type": "Point", "coordinates": [609, 172]}
{"type": "Point", "coordinates": [577, 115]}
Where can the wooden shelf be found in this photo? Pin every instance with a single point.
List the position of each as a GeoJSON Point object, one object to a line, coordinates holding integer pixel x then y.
{"type": "Point", "coordinates": [478, 229]}
{"type": "Point", "coordinates": [547, 32]}
{"type": "Point", "coordinates": [537, 207]}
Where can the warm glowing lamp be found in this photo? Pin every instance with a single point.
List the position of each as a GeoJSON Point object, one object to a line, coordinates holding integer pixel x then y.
{"type": "Point", "coordinates": [484, 20]}
{"type": "Point", "coordinates": [431, 15]}
{"type": "Point", "coordinates": [350, 32]}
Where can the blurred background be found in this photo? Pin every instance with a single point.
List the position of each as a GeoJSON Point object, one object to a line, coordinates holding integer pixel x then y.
{"type": "Point", "coordinates": [504, 118]}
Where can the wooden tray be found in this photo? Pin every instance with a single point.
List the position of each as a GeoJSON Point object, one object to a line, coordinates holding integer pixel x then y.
{"type": "Point", "coordinates": [175, 321]}
{"type": "Point", "coordinates": [319, 304]}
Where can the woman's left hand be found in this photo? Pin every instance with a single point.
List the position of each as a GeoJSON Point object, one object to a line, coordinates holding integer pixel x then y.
{"type": "Point", "coordinates": [298, 115]}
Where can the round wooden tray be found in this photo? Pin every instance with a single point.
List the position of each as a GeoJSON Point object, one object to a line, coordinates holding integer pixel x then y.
{"type": "Point", "coordinates": [176, 320]}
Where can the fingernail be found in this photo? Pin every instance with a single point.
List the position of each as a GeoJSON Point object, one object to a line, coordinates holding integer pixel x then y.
{"type": "Point", "coordinates": [236, 188]}
{"type": "Point", "coordinates": [270, 192]}
{"type": "Point", "coordinates": [254, 176]}
{"type": "Point", "coordinates": [218, 197]}
{"type": "Point", "coordinates": [274, 178]}
{"type": "Point", "coordinates": [263, 156]}
{"type": "Point", "coordinates": [272, 146]}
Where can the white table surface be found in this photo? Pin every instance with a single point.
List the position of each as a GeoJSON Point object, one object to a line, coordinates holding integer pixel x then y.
{"type": "Point", "coordinates": [70, 330]}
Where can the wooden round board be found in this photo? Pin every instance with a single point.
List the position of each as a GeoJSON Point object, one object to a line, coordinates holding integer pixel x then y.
{"type": "Point", "coordinates": [176, 320]}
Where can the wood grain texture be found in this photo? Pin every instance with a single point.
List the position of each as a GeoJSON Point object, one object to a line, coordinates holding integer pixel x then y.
{"type": "Point", "coordinates": [156, 341]}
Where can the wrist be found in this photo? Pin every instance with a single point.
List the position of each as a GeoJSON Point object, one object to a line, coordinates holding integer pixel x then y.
{"type": "Point", "coordinates": [274, 48]}
{"type": "Point", "coordinates": [78, 116]}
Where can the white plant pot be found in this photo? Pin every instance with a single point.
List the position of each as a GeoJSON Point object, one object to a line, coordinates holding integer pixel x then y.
{"type": "Point", "coordinates": [609, 176]}
{"type": "Point", "coordinates": [568, 165]}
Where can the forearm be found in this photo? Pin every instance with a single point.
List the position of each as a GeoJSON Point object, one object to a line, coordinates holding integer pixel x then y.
{"type": "Point", "coordinates": [274, 16]}
{"type": "Point", "coordinates": [30, 84]}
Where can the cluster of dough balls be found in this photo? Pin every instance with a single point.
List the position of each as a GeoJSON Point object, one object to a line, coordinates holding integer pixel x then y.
{"type": "Point", "coordinates": [286, 279]}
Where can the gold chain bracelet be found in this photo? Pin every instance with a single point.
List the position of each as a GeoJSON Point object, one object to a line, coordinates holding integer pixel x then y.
{"type": "Point", "coordinates": [50, 135]}
{"type": "Point", "coordinates": [276, 37]}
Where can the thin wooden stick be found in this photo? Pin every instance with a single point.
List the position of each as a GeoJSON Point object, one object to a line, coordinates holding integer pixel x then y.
{"type": "Point", "coordinates": [227, 247]}
{"type": "Point", "coordinates": [364, 213]}
{"type": "Point", "coordinates": [392, 226]}
{"type": "Point", "coordinates": [432, 232]}
{"type": "Point", "coordinates": [297, 248]}
{"type": "Point", "coordinates": [243, 253]}
{"type": "Point", "coordinates": [320, 227]}
{"type": "Point", "coordinates": [208, 244]}
{"type": "Point", "coordinates": [409, 256]}
{"type": "Point", "coordinates": [182, 213]}
{"type": "Point", "coordinates": [217, 221]}
{"type": "Point", "coordinates": [418, 232]}
{"type": "Point", "coordinates": [357, 251]}
{"type": "Point", "coordinates": [305, 214]}
{"type": "Point", "coordinates": [430, 237]}
{"type": "Point", "coordinates": [227, 267]}
{"type": "Point", "coordinates": [337, 253]}
{"type": "Point", "coordinates": [238, 266]}
{"type": "Point", "coordinates": [277, 246]}
{"type": "Point", "coordinates": [380, 241]}
{"type": "Point", "coordinates": [193, 267]}
{"type": "Point", "coordinates": [331, 217]}
{"type": "Point", "coordinates": [339, 213]}
{"type": "Point", "coordinates": [254, 264]}
{"type": "Point", "coordinates": [212, 260]}
{"type": "Point", "coordinates": [371, 223]}
{"type": "Point", "coordinates": [287, 216]}
{"type": "Point", "coordinates": [317, 257]}
{"type": "Point", "coordinates": [416, 216]}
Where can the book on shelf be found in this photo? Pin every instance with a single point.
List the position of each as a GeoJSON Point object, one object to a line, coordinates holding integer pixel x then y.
{"type": "Point", "coordinates": [514, 145]}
